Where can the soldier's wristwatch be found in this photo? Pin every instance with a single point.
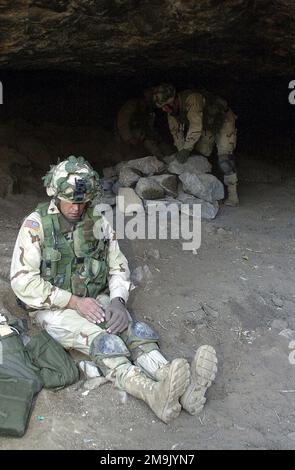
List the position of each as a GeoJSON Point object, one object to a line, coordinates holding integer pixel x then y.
{"type": "Point", "coordinates": [121, 300]}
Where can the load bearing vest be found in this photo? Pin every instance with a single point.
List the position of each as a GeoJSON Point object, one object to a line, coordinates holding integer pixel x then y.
{"type": "Point", "coordinates": [77, 263]}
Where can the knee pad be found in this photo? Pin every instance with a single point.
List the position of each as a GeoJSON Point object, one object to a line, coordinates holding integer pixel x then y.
{"type": "Point", "coordinates": [106, 345]}
{"type": "Point", "coordinates": [138, 333]}
{"type": "Point", "coordinates": [142, 331]}
{"type": "Point", "coordinates": [227, 164]}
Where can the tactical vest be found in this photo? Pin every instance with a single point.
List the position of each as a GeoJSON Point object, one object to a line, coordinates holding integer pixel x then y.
{"type": "Point", "coordinates": [214, 111]}
{"type": "Point", "coordinates": [72, 257]}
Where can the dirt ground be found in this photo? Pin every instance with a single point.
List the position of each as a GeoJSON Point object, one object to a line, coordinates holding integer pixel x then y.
{"type": "Point", "coordinates": [227, 295]}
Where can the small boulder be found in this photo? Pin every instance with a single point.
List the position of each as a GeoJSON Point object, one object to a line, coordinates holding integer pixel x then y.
{"type": "Point", "coordinates": [147, 165]}
{"type": "Point", "coordinates": [206, 187]}
{"type": "Point", "coordinates": [169, 183]}
{"type": "Point", "coordinates": [196, 164]}
{"type": "Point", "coordinates": [148, 188]}
{"type": "Point", "coordinates": [208, 210]}
{"type": "Point", "coordinates": [128, 177]}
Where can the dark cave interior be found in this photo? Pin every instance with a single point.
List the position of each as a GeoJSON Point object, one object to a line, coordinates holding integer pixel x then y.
{"type": "Point", "coordinates": [65, 106]}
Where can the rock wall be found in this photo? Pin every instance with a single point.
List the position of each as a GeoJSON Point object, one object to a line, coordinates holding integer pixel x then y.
{"type": "Point", "coordinates": [125, 36]}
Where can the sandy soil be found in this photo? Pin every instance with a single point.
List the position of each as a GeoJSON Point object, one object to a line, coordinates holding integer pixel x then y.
{"type": "Point", "coordinates": [228, 295]}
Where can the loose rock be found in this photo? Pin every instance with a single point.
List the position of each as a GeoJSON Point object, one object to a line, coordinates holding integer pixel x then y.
{"type": "Point", "coordinates": [208, 210]}
{"type": "Point", "coordinates": [169, 183]}
{"type": "Point", "coordinates": [196, 164]}
{"type": "Point", "coordinates": [128, 177]}
{"type": "Point", "coordinates": [162, 204]}
{"type": "Point", "coordinates": [206, 187]}
{"type": "Point", "coordinates": [148, 188]}
{"type": "Point", "coordinates": [147, 165]}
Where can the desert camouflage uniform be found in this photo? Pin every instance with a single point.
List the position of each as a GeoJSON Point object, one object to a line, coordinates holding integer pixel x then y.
{"type": "Point", "coordinates": [164, 386]}
{"type": "Point", "coordinates": [202, 122]}
{"type": "Point", "coordinates": [205, 120]}
{"type": "Point", "coordinates": [46, 302]}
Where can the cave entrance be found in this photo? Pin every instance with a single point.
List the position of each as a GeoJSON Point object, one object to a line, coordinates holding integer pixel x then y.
{"type": "Point", "coordinates": [46, 116]}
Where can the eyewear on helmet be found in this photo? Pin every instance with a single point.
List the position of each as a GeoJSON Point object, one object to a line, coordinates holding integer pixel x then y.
{"type": "Point", "coordinates": [80, 190]}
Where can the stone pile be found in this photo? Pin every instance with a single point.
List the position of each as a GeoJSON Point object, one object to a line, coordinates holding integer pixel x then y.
{"type": "Point", "coordinates": [151, 182]}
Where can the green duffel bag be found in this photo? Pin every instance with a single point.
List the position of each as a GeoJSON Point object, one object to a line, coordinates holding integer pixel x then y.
{"type": "Point", "coordinates": [56, 367]}
{"type": "Point", "coordinates": [15, 361]}
{"type": "Point", "coordinates": [16, 402]}
{"type": "Point", "coordinates": [19, 383]}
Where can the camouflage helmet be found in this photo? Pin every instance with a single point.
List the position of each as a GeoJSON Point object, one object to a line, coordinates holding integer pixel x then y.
{"type": "Point", "coordinates": [163, 93]}
{"type": "Point", "coordinates": [73, 180]}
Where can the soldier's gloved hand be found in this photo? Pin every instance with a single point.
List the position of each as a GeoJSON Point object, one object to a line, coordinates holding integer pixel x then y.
{"type": "Point", "coordinates": [182, 155]}
{"type": "Point", "coordinates": [116, 316]}
{"type": "Point", "coordinates": [90, 309]}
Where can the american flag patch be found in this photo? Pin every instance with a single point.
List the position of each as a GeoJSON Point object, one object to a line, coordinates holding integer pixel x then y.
{"type": "Point", "coordinates": [31, 224]}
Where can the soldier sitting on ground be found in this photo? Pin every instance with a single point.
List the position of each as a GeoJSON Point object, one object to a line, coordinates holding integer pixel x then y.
{"type": "Point", "coordinates": [69, 272]}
